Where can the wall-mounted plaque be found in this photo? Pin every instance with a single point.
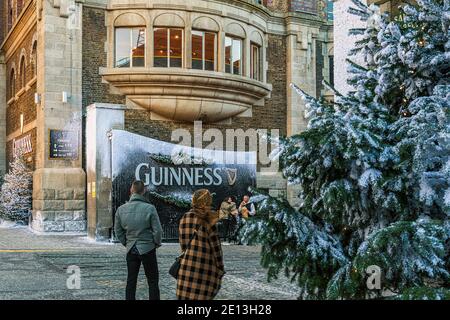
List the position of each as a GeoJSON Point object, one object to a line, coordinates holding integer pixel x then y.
{"type": "Point", "coordinates": [63, 144]}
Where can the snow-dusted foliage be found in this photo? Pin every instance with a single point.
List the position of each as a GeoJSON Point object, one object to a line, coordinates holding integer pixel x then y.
{"type": "Point", "coordinates": [373, 170]}
{"type": "Point", "coordinates": [303, 250]}
{"type": "Point", "coordinates": [415, 55]}
{"type": "Point", "coordinates": [15, 194]}
{"type": "Point", "coordinates": [421, 154]}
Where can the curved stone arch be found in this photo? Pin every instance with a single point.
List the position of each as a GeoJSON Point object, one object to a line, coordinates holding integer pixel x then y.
{"type": "Point", "coordinates": [33, 56]}
{"type": "Point", "coordinates": [13, 68]}
{"type": "Point", "coordinates": [129, 19]}
{"type": "Point", "coordinates": [235, 29]}
{"type": "Point", "coordinates": [12, 87]}
{"type": "Point", "coordinates": [169, 20]}
{"type": "Point", "coordinates": [206, 23]}
{"type": "Point", "coordinates": [331, 51]}
{"type": "Point", "coordinates": [256, 37]}
{"type": "Point", "coordinates": [23, 55]}
{"type": "Point", "coordinates": [33, 41]}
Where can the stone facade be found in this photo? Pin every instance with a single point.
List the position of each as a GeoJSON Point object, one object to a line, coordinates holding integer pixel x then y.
{"type": "Point", "coordinates": [75, 69]}
{"type": "Point", "coordinates": [18, 110]}
{"type": "Point", "coordinates": [304, 5]}
{"type": "Point", "coordinates": [2, 116]}
{"type": "Point", "coordinates": [343, 21]}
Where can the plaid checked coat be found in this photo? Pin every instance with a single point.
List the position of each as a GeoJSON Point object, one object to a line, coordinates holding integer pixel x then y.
{"type": "Point", "coordinates": [202, 269]}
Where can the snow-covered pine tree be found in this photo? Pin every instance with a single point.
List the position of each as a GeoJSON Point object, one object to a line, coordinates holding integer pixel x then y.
{"type": "Point", "coordinates": [16, 192]}
{"type": "Point", "coordinates": [415, 55]}
{"type": "Point", "coordinates": [373, 180]}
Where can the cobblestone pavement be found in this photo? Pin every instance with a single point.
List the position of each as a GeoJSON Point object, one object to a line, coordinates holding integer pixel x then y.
{"type": "Point", "coordinates": [35, 267]}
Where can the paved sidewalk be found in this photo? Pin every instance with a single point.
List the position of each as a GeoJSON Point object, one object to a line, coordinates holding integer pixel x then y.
{"type": "Point", "coordinates": [35, 267]}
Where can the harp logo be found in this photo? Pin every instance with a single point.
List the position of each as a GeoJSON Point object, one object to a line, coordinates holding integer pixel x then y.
{"type": "Point", "coordinates": [231, 176]}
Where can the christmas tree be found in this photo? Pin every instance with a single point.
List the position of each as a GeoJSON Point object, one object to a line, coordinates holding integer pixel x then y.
{"type": "Point", "coordinates": [16, 192]}
{"type": "Point", "coordinates": [372, 170]}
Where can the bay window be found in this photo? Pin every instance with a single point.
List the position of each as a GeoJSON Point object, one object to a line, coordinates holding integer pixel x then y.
{"type": "Point", "coordinates": [233, 55]}
{"type": "Point", "coordinates": [129, 47]}
{"type": "Point", "coordinates": [168, 48]}
{"type": "Point", "coordinates": [203, 50]}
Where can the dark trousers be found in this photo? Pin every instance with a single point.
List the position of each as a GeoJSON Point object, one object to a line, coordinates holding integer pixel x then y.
{"type": "Point", "coordinates": [151, 272]}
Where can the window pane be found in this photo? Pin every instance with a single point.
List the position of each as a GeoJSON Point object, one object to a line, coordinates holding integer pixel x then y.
{"type": "Point", "coordinates": [197, 50]}
{"type": "Point", "coordinates": [210, 51]}
{"type": "Point", "coordinates": [160, 48]}
{"type": "Point", "coordinates": [35, 59]}
{"type": "Point", "coordinates": [122, 58]}
{"type": "Point", "coordinates": [138, 50]}
{"type": "Point", "coordinates": [22, 73]}
{"type": "Point", "coordinates": [237, 56]}
{"type": "Point", "coordinates": [331, 59]}
{"type": "Point", "coordinates": [176, 51]}
{"type": "Point", "coordinates": [12, 84]}
{"type": "Point", "coordinates": [228, 42]}
{"type": "Point", "coordinates": [255, 64]}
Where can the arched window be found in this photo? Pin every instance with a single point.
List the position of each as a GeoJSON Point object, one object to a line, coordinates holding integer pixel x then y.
{"type": "Point", "coordinates": [12, 84]}
{"type": "Point", "coordinates": [10, 15]}
{"type": "Point", "coordinates": [129, 41]}
{"type": "Point", "coordinates": [19, 7]}
{"type": "Point", "coordinates": [34, 59]}
{"type": "Point", "coordinates": [23, 79]}
{"type": "Point", "coordinates": [234, 48]}
{"type": "Point", "coordinates": [168, 42]}
{"type": "Point", "coordinates": [256, 56]}
{"type": "Point", "coordinates": [204, 43]}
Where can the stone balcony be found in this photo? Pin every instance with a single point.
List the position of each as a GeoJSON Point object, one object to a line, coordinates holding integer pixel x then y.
{"type": "Point", "coordinates": [185, 94]}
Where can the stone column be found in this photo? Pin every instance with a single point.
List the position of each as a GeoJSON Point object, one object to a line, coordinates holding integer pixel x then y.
{"type": "Point", "coordinates": [343, 21]}
{"type": "Point", "coordinates": [59, 185]}
{"type": "Point", "coordinates": [301, 70]}
{"type": "Point", "coordinates": [101, 119]}
{"type": "Point", "coordinates": [2, 115]}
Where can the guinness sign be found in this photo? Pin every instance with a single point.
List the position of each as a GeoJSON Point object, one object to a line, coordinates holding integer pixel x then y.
{"type": "Point", "coordinates": [170, 183]}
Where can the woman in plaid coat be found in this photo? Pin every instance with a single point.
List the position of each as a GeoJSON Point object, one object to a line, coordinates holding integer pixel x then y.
{"type": "Point", "coordinates": [202, 269]}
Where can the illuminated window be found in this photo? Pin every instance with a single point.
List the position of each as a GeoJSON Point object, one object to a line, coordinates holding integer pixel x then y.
{"type": "Point", "coordinates": [203, 50]}
{"type": "Point", "coordinates": [255, 61]}
{"type": "Point", "coordinates": [22, 73]}
{"type": "Point", "coordinates": [168, 48]}
{"type": "Point", "coordinates": [233, 55]}
{"type": "Point", "coordinates": [129, 47]}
